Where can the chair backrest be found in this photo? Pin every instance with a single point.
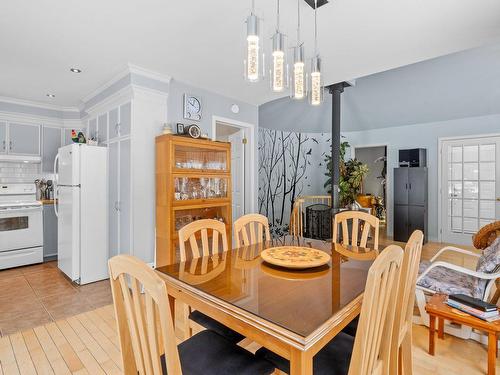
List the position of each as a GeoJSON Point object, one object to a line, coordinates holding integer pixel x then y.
{"type": "Point", "coordinates": [296, 227]}
{"type": "Point", "coordinates": [406, 293]}
{"type": "Point", "coordinates": [357, 217]}
{"type": "Point", "coordinates": [372, 345]}
{"type": "Point", "coordinates": [190, 232]}
{"type": "Point", "coordinates": [254, 224]}
{"type": "Point", "coordinates": [145, 325]}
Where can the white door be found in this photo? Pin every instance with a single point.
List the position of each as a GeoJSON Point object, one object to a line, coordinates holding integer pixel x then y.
{"type": "Point", "coordinates": [470, 187]}
{"type": "Point", "coordinates": [238, 172]}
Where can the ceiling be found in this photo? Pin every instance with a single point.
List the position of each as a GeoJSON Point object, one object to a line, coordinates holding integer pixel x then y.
{"type": "Point", "coordinates": [459, 85]}
{"type": "Point", "coordinates": [201, 42]}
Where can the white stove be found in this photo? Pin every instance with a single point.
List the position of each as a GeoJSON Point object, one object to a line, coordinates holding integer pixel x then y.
{"type": "Point", "coordinates": [21, 226]}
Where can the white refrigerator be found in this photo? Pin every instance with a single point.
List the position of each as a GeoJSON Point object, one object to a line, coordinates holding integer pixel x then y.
{"type": "Point", "coordinates": [82, 212]}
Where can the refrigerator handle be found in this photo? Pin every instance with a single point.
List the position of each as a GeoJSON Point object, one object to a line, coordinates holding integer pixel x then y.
{"type": "Point", "coordinates": [56, 188]}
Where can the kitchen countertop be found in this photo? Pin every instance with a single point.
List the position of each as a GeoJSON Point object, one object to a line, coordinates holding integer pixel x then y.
{"type": "Point", "coordinates": [46, 201]}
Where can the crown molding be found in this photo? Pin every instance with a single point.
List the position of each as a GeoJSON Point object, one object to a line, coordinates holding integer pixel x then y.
{"type": "Point", "coordinates": [112, 81]}
{"type": "Point", "coordinates": [40, 120]}
{"type": "Point", "coordinates": [130, 69]}
{"type": "Point", "coordinates": [135, 69]}
{"type": "Point", "coordinates": [119, 97]}
{"type": "Point", "coordinates": [31, 103]}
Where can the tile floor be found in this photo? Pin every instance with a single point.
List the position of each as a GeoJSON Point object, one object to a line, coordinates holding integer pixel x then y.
{"type": "Point", "coordinates": [35, 295]}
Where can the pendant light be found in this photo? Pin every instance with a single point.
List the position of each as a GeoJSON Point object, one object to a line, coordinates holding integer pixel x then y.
{"type": "Point", "coordinates": [299, 77]}
{"type": "Point", "coordinates": [279, 68]}
{"type": "Point", "coordinates": [254, 62]}
{"type": "Point", "coordinates": [316, 93]}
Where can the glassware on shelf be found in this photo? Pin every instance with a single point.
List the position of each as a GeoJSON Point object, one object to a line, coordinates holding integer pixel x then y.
{"type": "Point", "coordinates": [199, 188]}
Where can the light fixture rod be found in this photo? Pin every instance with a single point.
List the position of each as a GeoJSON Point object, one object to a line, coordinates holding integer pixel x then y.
{"type": "Point", "coordinates": [315, 27]}
{"type": "Point", "coordinates": [298, 22]}
{"type": "Point", "coordinates": [253, 6]}
{"type": "Point", "coordinates": [277, 15]}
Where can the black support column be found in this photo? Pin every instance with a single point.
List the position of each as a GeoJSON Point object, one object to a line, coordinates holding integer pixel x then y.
{"type": "Point", "coordinates": [336, 91]}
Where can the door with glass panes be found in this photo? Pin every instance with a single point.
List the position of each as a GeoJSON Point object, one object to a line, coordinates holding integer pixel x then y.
{"type": "Point", "coordinates": [470, 187]}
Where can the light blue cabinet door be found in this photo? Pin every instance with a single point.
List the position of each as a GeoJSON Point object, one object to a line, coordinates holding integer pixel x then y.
{"type": "Point", "coordinates": [125, 119]}
{"type": "Point", "coordinates": [66, 137]}
{"type": "Point", "coordinates": [102, 128]}
{"type": "Point", "coordinates": [113, 123]}
{"type": "Point", "coordinates": [92, 129]}
{"type": "Point", "coordinates": [113, 155]}
{"type": "Point", "coordinates": [3, 137]}
{"type": "Point", "coordinates": [51, 141]}
{"type": "Point", "coordinates": [49, 232]}
{"type": "Point", "coordinates": [125, 197]}
{"type": "Point", "coordinates": [24, 139]}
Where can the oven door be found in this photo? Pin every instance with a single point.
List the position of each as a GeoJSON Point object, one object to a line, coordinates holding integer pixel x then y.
{"type": "Point", "coordinates": [21, 228]}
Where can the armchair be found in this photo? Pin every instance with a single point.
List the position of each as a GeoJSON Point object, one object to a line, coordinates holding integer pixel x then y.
{"type": "Point", "coordinates": [439, 276]}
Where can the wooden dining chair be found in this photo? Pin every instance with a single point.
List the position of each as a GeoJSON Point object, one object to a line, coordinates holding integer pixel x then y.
{"type": "Point", "coordinates": [359, 220]}
{"type": "Point", "coordinates": [369, 352]}
{"type": "Point", "coordinates": [202, 229]}
{"type": "Point", "coordinates": [146, 330]}
{"type": "Point", "coordinates": [250, 229]}
{"type": "Point", "coordinates": [401, 352]}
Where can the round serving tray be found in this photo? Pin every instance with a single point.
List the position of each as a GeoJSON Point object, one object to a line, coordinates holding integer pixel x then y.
{"type": "Point", "coordinates": [295, 257]}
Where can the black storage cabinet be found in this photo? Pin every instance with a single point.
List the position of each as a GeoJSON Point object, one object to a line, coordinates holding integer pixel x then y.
{"type": "Point", "coordinates": [410, 202]}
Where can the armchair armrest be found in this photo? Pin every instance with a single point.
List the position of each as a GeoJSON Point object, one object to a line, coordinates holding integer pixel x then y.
{"type": "Point", "coordinates": [480, 275]}
{"type": "Point", "coordinates": [454, 249]}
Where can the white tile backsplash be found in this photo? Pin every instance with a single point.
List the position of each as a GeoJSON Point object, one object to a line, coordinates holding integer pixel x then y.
{"type": "Point", "coordinates": [12, 172]}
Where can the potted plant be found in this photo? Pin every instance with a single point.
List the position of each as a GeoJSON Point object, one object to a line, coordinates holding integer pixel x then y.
{"type": "Point", "coordinates": [352, 173]}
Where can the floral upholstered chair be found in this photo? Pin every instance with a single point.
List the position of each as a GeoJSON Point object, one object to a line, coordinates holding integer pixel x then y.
{"type": "Point", "coordinates": [438, 276]}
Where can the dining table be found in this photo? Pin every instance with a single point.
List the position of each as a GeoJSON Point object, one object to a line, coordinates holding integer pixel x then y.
{"type": "Point", "coordinates": [293, 312]}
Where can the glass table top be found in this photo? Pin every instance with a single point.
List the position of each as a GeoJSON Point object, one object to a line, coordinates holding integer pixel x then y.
{"type": "Point", "coordinates": [297, 300]}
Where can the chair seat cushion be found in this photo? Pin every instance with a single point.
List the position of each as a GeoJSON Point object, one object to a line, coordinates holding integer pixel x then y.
{"type": "Point", "coordinates": [333, 359]}
{"type": "Point", "coordinates": [208, 353]}
{"type": "Point", "coordinates": [213, 325]}
{"type": "Point", "coordinates": [444, 280]}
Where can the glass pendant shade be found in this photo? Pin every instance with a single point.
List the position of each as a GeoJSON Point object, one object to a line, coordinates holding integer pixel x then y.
{"type": "Point", "coordinates": [279, 67]}
{"type": "Point", "coordinates": [316, 94]}
{"type": "Point", "coordinates": [299, 76]}
{"type": "Point", "coordinates": [254, 58]}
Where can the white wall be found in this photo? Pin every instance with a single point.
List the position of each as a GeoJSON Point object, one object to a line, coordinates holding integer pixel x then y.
{"type": "Point", "coordinates": [422, 136]}
{"type": "Point", "coordinates": [212, 104]}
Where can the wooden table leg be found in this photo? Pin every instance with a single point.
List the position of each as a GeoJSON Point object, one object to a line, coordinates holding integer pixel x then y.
{"type": "Point", "coordinates": [432, 330]}
{"type": "Point", "coordinates": [492, 349]}
{"type": "Point", "coordinates": [441, 328]}
{"type": "Point", "coordinates": [300, 363]}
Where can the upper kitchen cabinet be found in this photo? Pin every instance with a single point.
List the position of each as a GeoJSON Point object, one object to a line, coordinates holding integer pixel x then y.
{"type": "Point", "coordinates": [120, 121]}
{"type": "Point", "coordinates": [24, 139]}
{"type": "Point", "coordinates": [3, 137]}
{"type": "Point", "coordinates": [125, 119]}
{"type": "Point", "coordinates": [102, 129]}
{"type": "Point", "coordinates": [92, 130]}
{"type": "Point", "coordinates": [51, 141]}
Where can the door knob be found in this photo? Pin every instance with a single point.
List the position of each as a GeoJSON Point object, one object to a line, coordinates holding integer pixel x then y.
{"type": "Point", "coordinates": [498, 199]}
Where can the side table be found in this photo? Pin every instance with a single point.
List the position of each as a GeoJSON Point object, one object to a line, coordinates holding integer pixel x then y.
{"type": "Point", "coordinates": [437, 308]}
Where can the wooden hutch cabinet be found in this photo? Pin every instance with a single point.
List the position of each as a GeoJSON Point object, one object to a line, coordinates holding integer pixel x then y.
{"type": "Point", "coordinates": [193, 181]}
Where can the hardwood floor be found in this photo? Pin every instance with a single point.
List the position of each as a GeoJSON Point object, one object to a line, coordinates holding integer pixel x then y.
{"type": "Point", "coordinates": [87, 343]}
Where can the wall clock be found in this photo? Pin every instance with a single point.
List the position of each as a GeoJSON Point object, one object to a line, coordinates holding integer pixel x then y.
{"type": "Point", "coordinates": [192, 107]}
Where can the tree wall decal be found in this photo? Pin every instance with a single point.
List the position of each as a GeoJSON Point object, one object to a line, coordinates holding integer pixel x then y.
{"type": "Point", "coordinates": [289, 166]}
